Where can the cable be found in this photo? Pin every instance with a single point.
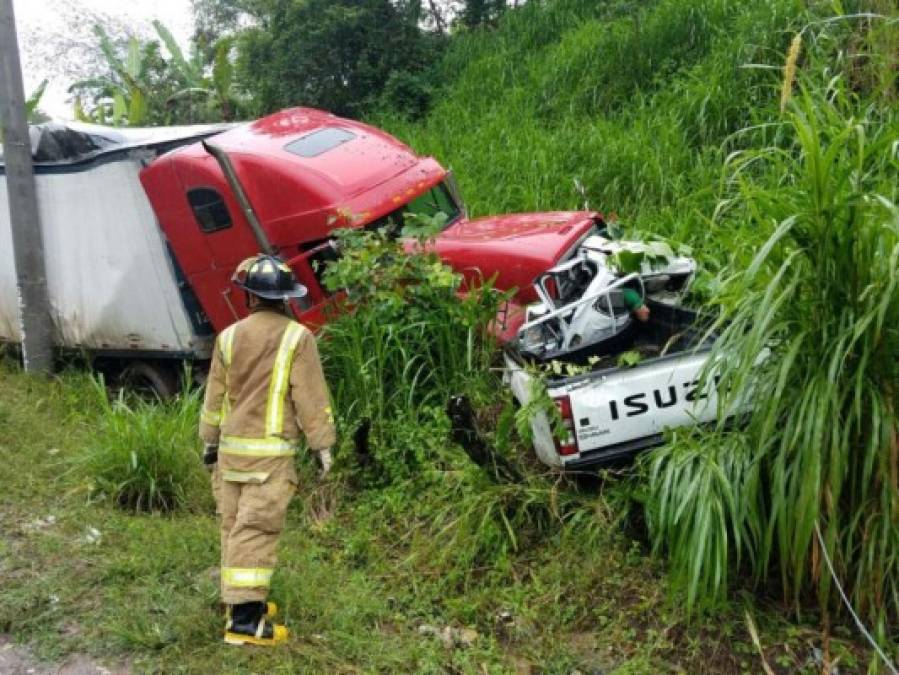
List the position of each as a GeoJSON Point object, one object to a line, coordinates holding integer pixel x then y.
{"type": "Point", "coordinates": [858, 622]}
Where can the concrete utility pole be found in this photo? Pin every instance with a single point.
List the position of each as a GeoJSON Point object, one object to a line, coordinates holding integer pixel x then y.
{"type": "Point", "coordinates": [28, 243]}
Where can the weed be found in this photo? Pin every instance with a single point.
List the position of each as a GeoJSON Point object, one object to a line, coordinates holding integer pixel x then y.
{"type": "Point", "coordinates": [142, 455]}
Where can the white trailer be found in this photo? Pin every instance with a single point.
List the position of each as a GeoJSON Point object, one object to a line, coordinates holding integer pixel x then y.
{"type": "Point", "coordinates": [115, 289]}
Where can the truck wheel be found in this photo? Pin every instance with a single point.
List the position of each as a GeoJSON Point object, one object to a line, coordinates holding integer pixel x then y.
{"type": "Point", "coordinates": [150, 380]}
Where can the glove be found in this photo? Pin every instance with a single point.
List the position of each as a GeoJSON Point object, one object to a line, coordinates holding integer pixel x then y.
{"type": "Point", "coordinates": [325, 460]}
{"type": "Point", "coordinates": [210, 455]}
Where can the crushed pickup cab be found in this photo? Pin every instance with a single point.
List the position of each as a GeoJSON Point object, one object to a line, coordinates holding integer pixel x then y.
{"type": "Point", "coordinates": [618, 382]}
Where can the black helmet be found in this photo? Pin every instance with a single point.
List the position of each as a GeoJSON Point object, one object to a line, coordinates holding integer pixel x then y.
{"type": "Point", "coordinates": [267, 277]}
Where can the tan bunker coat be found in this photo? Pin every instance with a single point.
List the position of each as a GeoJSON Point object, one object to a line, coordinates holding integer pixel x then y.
{"type": "Point", "coordinates": [265, 386]}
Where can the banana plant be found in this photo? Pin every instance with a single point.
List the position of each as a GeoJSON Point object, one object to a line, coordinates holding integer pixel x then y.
{"type": "Point", "coordinates": [32, 114]}
{"type": "Point", "coordinates": [154, 82]}
{"type": "Point", "coordinates": [218, 91]}
{"type": "Point", "coordinates": [33, 101]}
{"type": "Point", "coordinates": [123, 98]}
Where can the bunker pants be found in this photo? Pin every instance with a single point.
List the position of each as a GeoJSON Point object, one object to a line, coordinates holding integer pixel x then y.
{"type": "Point", "coordinates": [251, 515]}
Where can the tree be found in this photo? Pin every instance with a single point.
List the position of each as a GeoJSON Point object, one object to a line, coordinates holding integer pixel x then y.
{"type": "Point", "coordinates": [211, 83]}
{"type": "Point", "coordinates": [477, 13]}
{"type": "Point", "coordinates": [119, 96]}
{"type": "Point", "coordinates": [346, 56]}
{"type": "Point", "coordinates": [62, 46]}
{"type": "Point", "coordinates": [137, 85]}
{"type": "Point", "coordinates": [215, 20]}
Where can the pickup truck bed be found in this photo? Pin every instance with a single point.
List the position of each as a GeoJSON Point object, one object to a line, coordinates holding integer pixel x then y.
{"type": "Point", "coordinates": [614, 411]}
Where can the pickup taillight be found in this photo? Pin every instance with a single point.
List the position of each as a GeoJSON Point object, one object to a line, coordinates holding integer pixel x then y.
{"type": "Point", "coordinates": [566, 446]}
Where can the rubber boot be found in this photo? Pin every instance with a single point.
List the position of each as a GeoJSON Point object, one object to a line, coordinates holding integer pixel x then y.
{"type": "Point", "coordinates": [248, 626]}
{"type": "Point", "coordinates": [271, 609]}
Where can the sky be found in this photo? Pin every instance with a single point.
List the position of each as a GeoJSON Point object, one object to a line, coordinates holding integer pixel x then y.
{"type": "Point", "coordinates": [55, 39]}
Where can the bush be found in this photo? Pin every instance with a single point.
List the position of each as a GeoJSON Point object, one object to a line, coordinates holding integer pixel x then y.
{"type": "Point", "coordinates": [143, 455]}
{"type": "Point", "coordinates": [409, 343]}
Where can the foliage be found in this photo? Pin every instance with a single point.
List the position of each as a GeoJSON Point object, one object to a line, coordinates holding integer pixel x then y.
{"type": "Point", "coordinates": [121, 95]}
{"type": "Point", "coordinates": [142, 455]}
{"type": "Point", "coordinates": [415, 338]}
{"type": "Point", "coordinates": [616, 106]}
{"type": "Point", "coordinates": [409, 344]}
{"type": "Point", "coordinates": [477, 13]}
{"type": "Point", "coordinates": [359, 582]}
{"type": "Point", "coordinates": [634, 256]}
{"type": "Point", "coordinates": [142, 87]}
{"type": "Point", "coordinates": [643, 103]}
{"type": "Point", "coordinates": [340, 56]}
{"type": "Point", "coordinates": [32, 112]}
{"type": "Point", "coordinates": [810, 330]}
{"type": "Point", "coordinates": [642, 106]}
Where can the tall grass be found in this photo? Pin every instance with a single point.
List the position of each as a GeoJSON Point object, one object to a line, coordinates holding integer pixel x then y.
{"type": "Point", "coordinates": [143, 455]}
{"type": "Point", "coordinates": [667, 113]}
{"type": "Point", "coordinates": [412, 341]}
{"type": "Point", "coordinates": [632, 99]}
{"type": "Point", "coordinates": [820, 301]}
{"type": "Point", "coordinates": [409, 343]}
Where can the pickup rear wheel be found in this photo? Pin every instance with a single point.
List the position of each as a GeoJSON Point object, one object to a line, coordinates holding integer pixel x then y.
{"type": "Point", "coordinates": [150, 380]}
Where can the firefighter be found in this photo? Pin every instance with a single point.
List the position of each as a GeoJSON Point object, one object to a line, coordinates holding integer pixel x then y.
{"type": "Point", "coordinates": [265, 386]}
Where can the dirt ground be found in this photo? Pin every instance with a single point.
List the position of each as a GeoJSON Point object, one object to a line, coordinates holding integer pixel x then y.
{"type": "Point", "coordinates": [16, 660]}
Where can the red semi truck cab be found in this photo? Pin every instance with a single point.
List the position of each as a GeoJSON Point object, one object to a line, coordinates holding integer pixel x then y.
{"type": "Point", "coordinates": [307, 173]}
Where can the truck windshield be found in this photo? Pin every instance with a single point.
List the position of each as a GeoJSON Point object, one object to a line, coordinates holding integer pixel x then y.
{"type": "Point", "coordinates": [437, 200]}
{"type": "Point", "coordinates": [433, 202]}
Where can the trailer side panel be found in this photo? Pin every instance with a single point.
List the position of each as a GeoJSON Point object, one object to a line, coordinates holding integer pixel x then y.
{"type": "Point", "coordinates": [112, 285]}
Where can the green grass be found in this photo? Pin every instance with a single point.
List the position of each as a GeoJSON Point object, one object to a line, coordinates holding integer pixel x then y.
{"type": "Point", "coordinates": [821, 297]}
{"type": "Point", "coordinates": [143, 456]}
{"type": "Point", "coordinates": [667, 112]}
{"type": "Point", "coordinates": [360, 572]}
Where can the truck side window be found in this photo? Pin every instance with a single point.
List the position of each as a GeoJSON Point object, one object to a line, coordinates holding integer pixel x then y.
{"type": "Point", "coordinates": [209, 209]}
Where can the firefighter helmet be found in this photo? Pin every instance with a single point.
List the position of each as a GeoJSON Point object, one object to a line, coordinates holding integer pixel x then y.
{"type": "Point", "coordinates": [267, 277]}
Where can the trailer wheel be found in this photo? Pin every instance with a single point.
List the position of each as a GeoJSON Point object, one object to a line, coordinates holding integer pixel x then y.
{"type": "Point", "coordinates": [150, 380]}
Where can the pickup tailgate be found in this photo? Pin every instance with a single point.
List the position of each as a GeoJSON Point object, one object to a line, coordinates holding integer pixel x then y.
{"type": "Point", "coordinates": [622, 410]}
{"type": "Point", "coordinates": [618, 411]}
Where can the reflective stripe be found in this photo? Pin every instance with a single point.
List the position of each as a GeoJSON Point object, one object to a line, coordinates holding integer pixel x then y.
{"type": "Point", "coordinates": [226, 346]}
{"type": "Point", "coordinates": [277, 389]}
{"type": "Point", "coordinates": [234, 476]}
{"type": "Point", "coordinates": [330, 414]}
{"type": "Point", "coordinates": [256, 447]}
{"type": "Point", "coordinates": [246, 577]}
{"type": "Point", "coordinates": [213, 419]}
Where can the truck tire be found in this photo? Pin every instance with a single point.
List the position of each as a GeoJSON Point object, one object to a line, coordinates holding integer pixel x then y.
{"type": "Point", "coordinates": [150, 380]}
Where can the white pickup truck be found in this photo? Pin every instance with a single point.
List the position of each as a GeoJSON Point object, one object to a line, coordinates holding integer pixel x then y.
{"type": "Point", "coordinates": [610, 410]}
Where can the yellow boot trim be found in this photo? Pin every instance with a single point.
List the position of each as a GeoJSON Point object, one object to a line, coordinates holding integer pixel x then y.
{"type": "Point", "coordinates": [279, 635]}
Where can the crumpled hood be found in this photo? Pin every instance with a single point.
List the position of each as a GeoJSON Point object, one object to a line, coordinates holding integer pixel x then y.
{"type": "Point", "coordinates": [514, 248]}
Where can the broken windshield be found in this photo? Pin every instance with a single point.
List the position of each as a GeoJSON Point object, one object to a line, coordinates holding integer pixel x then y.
{"type": "Point", "coordinates": [437, 202]}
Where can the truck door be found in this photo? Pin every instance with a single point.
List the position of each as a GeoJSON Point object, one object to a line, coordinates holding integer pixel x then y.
{"type": "Point", "coordinates": [225, 234]}
{"type": "Point", "coordinates": [308, 267]}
